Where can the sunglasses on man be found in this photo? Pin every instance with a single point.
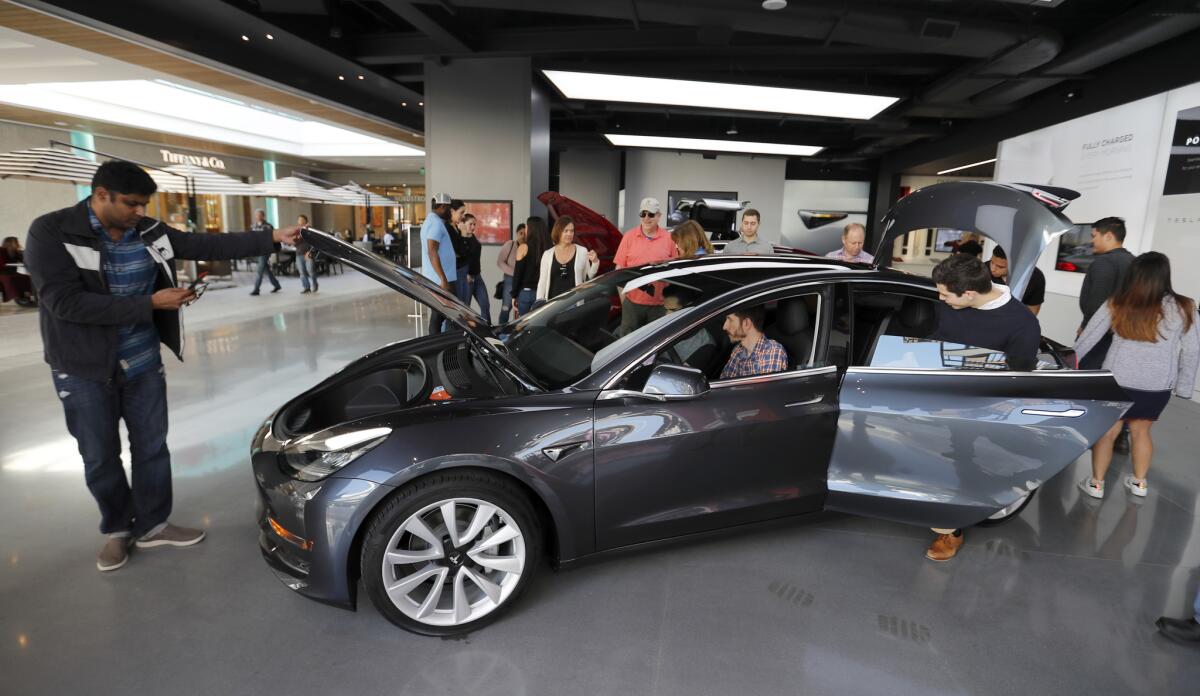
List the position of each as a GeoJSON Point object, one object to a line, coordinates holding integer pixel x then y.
{"type": "Point", "coordinates": [646, 214]}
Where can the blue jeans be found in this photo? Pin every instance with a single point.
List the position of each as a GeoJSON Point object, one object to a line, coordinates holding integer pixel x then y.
{"type": "Point", "coordinates": [308, 271]}
{"type": "Point", "coordinates": [479, 291]}
{"type": "Point", "coordinates": [525, 300]}
{"type": "Point", "coordinates": [460, 286]}
{"type": "Point", "coordinates": [264, 266]}
{"type": "Point", "coordinates": [507, 301]}
{"type": "Point", "coordinates": [93, 411]}
{"type": "Point", "coordinates": [1196, 606]}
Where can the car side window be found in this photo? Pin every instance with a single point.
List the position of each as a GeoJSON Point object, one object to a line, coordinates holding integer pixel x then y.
{"type": "Point", "coordinates": [904, 352]}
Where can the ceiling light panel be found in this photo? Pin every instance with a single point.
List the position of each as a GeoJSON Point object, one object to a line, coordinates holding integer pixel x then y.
{"type": "Point", "coordinates": [178, 109]}
{"type": "Point", "coordinates": [716, 95]}
{"type": "Point", "coordinates": [741, 146]}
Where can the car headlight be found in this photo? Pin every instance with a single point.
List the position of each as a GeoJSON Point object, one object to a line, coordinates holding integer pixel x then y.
{"type": "Point", "coordinates": [313, 457]}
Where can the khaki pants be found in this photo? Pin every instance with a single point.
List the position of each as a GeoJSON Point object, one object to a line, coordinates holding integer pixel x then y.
{"type": "Point", "coordinates": [635, 316]}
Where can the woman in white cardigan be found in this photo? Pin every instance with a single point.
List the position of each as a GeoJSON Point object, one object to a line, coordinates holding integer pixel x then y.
{"type": "Point", "coordinates": [566, 264]}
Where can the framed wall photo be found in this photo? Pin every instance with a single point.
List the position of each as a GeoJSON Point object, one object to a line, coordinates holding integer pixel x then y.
{"type": "Point", "coordinates": [493, 220]}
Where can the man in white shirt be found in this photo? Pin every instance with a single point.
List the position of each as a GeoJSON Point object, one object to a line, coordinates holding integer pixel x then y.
{"type": "Point", "coordinates": [854, 236]}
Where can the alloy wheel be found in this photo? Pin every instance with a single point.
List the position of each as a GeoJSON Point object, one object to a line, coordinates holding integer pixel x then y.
{"type": "Point", "coordinates": [453, 561]}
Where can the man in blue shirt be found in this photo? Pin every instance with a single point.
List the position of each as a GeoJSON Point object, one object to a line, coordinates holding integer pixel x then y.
{"type": "Point", "coordinates": [106, 277]}
{"type": "Point", "coordinates": [437, 250]}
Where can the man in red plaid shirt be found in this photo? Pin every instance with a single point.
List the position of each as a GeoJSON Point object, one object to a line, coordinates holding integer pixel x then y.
{"type": "Point", "coordinates": [754, 354]}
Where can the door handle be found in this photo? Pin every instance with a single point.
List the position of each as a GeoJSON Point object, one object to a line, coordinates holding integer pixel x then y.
{"type": "Point", "coordinates": [810, 402]}
{"type": "Point", "coordinates": [1069, 413]}
{"type": "Point", "coordinates": [558, 451]}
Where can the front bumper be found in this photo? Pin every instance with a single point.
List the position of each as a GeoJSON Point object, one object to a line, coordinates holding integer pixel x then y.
{"type": "Point", "coordinates": [310, 543]}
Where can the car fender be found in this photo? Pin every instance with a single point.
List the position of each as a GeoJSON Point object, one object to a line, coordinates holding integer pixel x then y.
{"type": "Point", "coordinates": [573, 533]}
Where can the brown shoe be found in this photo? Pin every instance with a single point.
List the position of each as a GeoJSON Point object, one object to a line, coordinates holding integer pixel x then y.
{"type": "Point", "coordinates": [171, 535]}
{"type": "Point", "coordinates": [944, 547]}
{"type": "Point", "coordinates": [114, 554]}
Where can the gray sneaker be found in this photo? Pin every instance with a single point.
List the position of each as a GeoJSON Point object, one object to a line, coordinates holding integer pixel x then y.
{"type": "Point", "coordinates": [114, 554]}
{"type": "Point", "coordinates": [171, 535]}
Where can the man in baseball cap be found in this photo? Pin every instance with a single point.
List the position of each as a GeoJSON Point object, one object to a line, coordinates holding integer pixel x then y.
{"type": "Point", "coordinates": [437, 251]}
{"type": "Point", "coordinates": [646, 243]}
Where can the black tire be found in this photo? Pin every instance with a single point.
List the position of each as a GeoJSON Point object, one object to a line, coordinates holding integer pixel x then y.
{"type": "Point", "coordinates": [996, 522]}
{"type": "Point", "coordinates": [496, 490]}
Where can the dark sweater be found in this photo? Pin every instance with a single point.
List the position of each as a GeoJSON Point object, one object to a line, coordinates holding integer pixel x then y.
{"type": "Point", "coordinates": [473, 249]}
{"type": "Point", "coordinates": [1102, 281]}
{"type": "Point", "coordinates": [1011, 328]}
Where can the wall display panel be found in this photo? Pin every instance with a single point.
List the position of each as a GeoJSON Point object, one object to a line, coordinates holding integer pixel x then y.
{"type": "Point", "coordinates": [493, 220]}
{"type": "Point", "coordinates": [1175, 213]}
{"type": "Point", "coordinates": [1108, 157]}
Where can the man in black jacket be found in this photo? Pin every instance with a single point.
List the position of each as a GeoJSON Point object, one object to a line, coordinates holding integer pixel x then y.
{"type": "Point", "coordinates": [106, 277]}
{"type": "Point", "coordinates": [1110, 262]}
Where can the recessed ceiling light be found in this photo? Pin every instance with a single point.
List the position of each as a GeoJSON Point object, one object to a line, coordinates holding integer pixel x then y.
{"type": "Point", "coordinates": [967, 166]}
{"type": "Point", "coordinates": [420, 103]}
{"type": "Point", "coordinates": [341, 77]}
{"type": "Point", "coordinates": [270, 37]}
{"type": "Point", "coordinates": [245, 38]}
{"type": "Point", "coordinates": [716, 95]}
{"type": "Point", "coordinates": [403, 103]}
{"type": "Point", "coordinates": [744, 146]}
{"type": "Point", "coordinates": [774, 4]}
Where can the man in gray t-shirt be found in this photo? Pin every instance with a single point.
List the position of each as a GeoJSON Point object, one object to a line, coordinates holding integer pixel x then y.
{"type": "Point", "coordinates": [749, 242]}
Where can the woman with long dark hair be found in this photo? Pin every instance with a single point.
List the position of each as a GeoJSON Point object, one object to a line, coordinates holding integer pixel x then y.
{"type": "Point", "coordinates": [1155, 351]}
{"type": "Point", "coordinates": [528, 266]}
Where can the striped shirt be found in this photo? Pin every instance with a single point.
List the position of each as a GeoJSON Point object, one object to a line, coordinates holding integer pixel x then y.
{"type": "Point", "coordinates": [767, 357]}
{"type": "Point", "coordinates": [130, 270]}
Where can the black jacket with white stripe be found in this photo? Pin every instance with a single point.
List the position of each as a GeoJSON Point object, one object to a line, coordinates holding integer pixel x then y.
{"type": "Point", "coordinates": [79, 316]}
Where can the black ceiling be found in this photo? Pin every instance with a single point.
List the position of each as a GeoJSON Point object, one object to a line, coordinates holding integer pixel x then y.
{"type": "Point", "coordinates": [951, 62]}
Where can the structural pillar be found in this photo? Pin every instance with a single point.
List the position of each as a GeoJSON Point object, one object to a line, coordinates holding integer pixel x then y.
{"type": "Point", "coordinates": [487, 137]}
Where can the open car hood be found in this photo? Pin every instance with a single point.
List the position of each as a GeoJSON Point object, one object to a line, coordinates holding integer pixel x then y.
{"type": "Point", "coordinates": [419, 288]}
{"type": "Point", "coordinates": [1022, 218]}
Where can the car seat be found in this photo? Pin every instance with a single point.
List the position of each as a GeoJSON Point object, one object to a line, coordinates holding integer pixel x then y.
{"type": "Point", "coordinates": [793, 329]}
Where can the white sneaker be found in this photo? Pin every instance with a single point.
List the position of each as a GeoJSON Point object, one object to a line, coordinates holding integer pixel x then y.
{"type": "Point", "coordinates": [1093, 488]}
{"type": "Point", "coordinates": [1138, 488]}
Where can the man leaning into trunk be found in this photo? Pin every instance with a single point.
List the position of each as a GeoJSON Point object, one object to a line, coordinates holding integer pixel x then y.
{"type": "Point", "coordinates": [106, 277]}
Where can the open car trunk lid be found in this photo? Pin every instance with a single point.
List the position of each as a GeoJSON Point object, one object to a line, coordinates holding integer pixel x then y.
{"type": "Point", "coordinates": [1022, 218]}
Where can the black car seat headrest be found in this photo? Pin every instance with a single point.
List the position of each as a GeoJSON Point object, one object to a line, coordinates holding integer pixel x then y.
{"type": "Point", "coordinates": [916, 316]}
{"type": "Point", "coordinates": [791, 316]}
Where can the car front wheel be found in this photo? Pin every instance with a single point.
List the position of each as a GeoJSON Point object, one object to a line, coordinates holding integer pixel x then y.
{"type": "Point", "coordinates": [449, 553]}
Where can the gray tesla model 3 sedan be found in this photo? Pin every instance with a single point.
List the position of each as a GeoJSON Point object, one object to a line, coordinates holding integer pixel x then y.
{"type": "Point", "coordinates": [439, 470]}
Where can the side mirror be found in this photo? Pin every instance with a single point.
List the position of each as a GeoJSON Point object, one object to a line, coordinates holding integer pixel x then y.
{"type": "Point", "coordinates": [674, 382]}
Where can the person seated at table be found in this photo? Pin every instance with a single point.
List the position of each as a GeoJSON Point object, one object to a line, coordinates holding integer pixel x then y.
{"type": "Point", "coordinates": [753, 353]}
{"type": "Point", "coordinates": [16, 285]}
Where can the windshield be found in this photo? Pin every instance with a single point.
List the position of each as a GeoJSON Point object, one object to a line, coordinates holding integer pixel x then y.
{"type": "Point", "coordinates": [576, 333]}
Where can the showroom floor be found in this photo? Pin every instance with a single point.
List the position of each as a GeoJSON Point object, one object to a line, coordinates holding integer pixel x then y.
{"type": "Point", "coordinates": [1062, 600]}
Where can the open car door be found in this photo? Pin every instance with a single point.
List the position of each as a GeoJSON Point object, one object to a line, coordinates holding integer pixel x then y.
{"type": "Point", "coordinates": [951, 446]}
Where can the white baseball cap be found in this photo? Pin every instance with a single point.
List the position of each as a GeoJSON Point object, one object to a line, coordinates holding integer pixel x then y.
{"type": "Point", "coordinates": [650, 205]}
{"type": "Point", "coordinates": [441, 199]}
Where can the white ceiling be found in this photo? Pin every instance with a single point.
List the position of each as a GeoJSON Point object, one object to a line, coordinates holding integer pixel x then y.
{"type": "Point", "coordinates": [39, 74]}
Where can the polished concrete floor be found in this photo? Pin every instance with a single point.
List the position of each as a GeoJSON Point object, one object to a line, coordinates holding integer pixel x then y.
{"type": "Point", "coordinates": [1060, 601]}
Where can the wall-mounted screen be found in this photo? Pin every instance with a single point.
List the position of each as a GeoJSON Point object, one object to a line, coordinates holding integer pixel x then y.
{"type": "Point", "coordinates": [493, 220]}
{"type": "Point", "coordinates": [1075, 250]}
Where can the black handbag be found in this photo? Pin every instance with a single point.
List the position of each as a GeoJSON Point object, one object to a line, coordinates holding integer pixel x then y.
{"type": "Point", "coordinates": [499, 293]}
